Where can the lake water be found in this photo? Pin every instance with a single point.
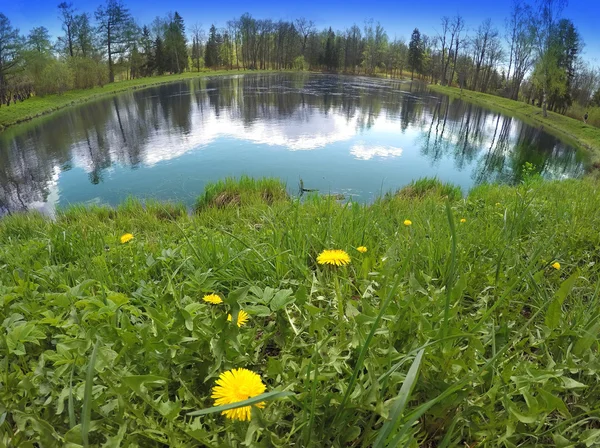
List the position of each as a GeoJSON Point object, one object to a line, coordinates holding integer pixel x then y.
{"type": "Point", "coordinates": [355, 136]}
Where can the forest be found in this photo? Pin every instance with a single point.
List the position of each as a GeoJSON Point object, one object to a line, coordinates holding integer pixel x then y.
{"type": "Point", "coordinates": [535, 55]}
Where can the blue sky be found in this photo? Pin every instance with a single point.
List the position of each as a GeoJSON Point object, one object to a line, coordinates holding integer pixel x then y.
{"type": "Point", "coordinates": [398, 17]}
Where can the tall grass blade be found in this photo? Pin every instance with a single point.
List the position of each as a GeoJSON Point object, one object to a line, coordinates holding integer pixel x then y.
{"type": "Point", "coordinates": [86, 413]}
{"type": "Point", "coordinates": [72, 419]}
{"type": "Point", "coordinates": [450, 275]}
{"type": "Point", "coordinates": [267, 396]}
{"type": "Point", "coordinates": [398, 410]}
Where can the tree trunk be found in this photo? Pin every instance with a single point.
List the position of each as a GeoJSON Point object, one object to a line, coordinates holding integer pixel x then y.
{"type": "Point", "coordinates": [544, 104]}
{"type": "Point", "coordinates": [111, 73]}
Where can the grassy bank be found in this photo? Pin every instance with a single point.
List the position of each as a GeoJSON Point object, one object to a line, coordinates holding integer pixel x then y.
{"type": "Point", "coordinates": [456, 330]}
{"type": "Point", "coordinates": [42, 105]}
{"type": "Point", "coordinates": [585, 136]}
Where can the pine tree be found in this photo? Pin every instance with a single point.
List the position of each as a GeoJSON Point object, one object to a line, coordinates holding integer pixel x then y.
{"type": "Point", "coordinates": [415, 53]}
{"type": "Point", "coordinates": [330, 54]}
{"type": "Point", "coordinates": [158, 61]}
{"type": "Point", "coordinates": [176, 45]}
{"type": "Point", "coordinates": [146, 43]}
{"type": "Point", "coordinates": [211, 56]}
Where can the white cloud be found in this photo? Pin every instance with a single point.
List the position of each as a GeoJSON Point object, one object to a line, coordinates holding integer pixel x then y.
{"type": "Point", "coordinates": [363, 151]}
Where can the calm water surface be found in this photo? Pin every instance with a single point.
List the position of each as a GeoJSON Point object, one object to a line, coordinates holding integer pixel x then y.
{"type": "Point", "coordinates": [355, 136]}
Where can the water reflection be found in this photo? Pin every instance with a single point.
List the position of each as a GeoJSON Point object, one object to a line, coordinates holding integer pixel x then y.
{"type": "Point", "coordinates": [392, 130]}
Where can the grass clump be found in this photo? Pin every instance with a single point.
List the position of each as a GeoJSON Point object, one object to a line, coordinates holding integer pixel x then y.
{"type": "Point", "coordinates": [430, 186]}
{"type": "Point", "coordinates": [480, 315]}
{"type": "Point", "coordinates": [242, 192]}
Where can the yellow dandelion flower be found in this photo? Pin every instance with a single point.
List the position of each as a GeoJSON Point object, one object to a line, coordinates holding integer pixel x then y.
{"type": "Point", "coordinates": [334, 256]}
{"type": "Point", "coordinates": [234, 386]}
{"type": "Point", "coordinates": [497, 204]}
{"type": "Point", "coordinates": [243, 317]}
{"type": "Point", "coordinates": [556, 265]}
{"type": "Point", "coordinates": [212, 298]}
{"type": "Point", "coordinates": [407, 222]}
{"type": "Point", "coordinates": [361, 249]}
{"type": "Point", "coordinates": [126, 238]}
{"type": "Point", "coordinates": [463, 220]}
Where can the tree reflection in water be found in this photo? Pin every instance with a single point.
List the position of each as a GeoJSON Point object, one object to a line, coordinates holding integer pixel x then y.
{"type": "Point", "coordinates": [300, 112]}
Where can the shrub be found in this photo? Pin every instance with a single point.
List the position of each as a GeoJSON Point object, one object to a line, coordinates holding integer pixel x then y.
{"type": "Point", "coordinates": [56, 78]}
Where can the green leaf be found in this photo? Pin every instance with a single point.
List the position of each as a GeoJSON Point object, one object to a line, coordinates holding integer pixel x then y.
{"type": "Point", "coordinates": [258, 310]}
{"type": "Point", "coordinates": [237, 296]}
{"type": "Point", "coordinates": [281, 299]}
{"type": "Point", "coordinates": [554, 311]}
{"type": "Point", "coordinates": [584, 343]}
{"type": "Point", "coordinates": [400, 404]}
{"type": "Point", "coordinates": [523, 418]}
{"type": "Point", "coordinates": [570, 383]}
{"type": "Point", "coordinates": [249, 402]}
{"type": "Point", "coordinates": [169, 409]}
{"type": "Point", "coordinates": [351, 434]}
{"type": "Point", "coordinates": [115, 441]}
{"type": "Point", "coordinates": [136, 382]}
{"type": "Point", "coordinates": [590, 437]}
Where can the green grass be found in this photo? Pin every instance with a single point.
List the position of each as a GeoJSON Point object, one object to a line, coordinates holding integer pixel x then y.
{"type": "Point", "coordinates": [42, 105]}
{"type": "Point", "coordinates": [244, 191]}
{"type": "Point", "coordinates": [430, 186]}
{"type": "Point", "coordinates": [574, 131]}
{"type": "Point", "coordinates": [451, 333]}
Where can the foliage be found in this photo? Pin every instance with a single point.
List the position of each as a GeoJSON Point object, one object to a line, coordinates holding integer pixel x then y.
{"type": "Point", "coordinates": [55, 78]}
{"type": "Point", "coordinates": [596, 98]}
{"type": "Point", "coordinates": [452, 334]}
{"type": "Point", "coordinates": [10, 45]}
{"type": "Point", "coordinates": [300, 64]}
{"type": "Point", "coordinates": [87, 72]}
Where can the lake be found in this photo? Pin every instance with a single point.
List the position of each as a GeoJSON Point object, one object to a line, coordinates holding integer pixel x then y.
{"type": "Point", "coordinates": [355, 136]}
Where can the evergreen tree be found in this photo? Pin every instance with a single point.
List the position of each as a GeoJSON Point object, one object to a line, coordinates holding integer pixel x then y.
{"type": "Point", "coordinates": [415, 53]}
{"type": "Point", "coordinates": [158, 61]}
{"type": "Point", "coordinates": [211, 56]}
{"type": "Point", "coordinates": [146, 44]}
{"type": "Point", "coordinates": [330, 53]}
{"type": "Point", "coordinates": [176, 45]}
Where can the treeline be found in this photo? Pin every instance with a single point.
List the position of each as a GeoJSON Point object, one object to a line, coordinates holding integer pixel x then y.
{"type": "Point", "coordinates": [535, 56]}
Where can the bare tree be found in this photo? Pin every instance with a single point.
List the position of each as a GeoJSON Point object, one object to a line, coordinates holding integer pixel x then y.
{"type": "Point", "coordinates": [482, 43]}
{"type": "Point", "coordinates": [67, 18]}
{"type": "Point", "coordinates": [458, 24]}
{"type": "Point", "coordinates": [115, 27]}
{"type": "Point", "coordinates": [305, 28]}
{"type": "Point", "coordinates": [197, 38]}
{"type": "Point", "coordinates": [520, 41]}
{"type": "Point", "coordinates": [442, 37]}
